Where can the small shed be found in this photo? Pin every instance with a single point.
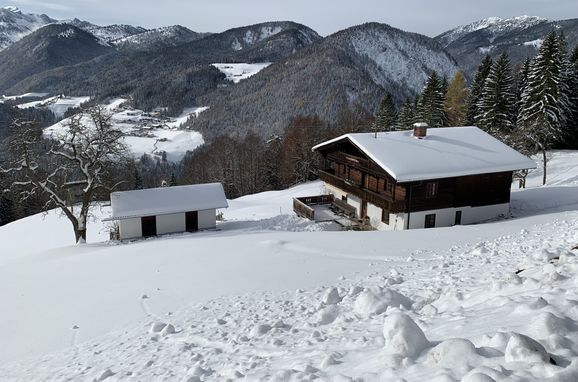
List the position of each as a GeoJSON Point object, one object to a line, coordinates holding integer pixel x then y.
{"type": "Point", "coordinates": [165, 210]}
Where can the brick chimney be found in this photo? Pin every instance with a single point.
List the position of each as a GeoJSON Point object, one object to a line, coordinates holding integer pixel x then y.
{"type": "Point", "coordinates": [420, 130]}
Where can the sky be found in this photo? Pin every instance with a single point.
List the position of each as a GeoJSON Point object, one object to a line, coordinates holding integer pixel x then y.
{"type": "Point", "coordinates": [429, 17]}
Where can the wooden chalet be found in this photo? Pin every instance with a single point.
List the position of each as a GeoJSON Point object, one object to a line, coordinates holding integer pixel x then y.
{"type": "Point", "coordinates": [426, 178]}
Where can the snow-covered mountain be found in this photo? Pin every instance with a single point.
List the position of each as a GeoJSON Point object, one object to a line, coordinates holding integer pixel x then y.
{"type": "Point", "coordinates": [14, 25]}
{"type": "Point", "coordinates": [493, 26]}
{"type": "Point", "coordinates": [157, 38]}
{"type": "Point", "coordinates": [108, 33]}
{"type": "Point", "coordinates": [347, 70]}
{"type": "Point", "coordinates": [519, 37]}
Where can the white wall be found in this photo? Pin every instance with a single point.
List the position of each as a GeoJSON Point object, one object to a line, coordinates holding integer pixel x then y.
{"type": "Point", "coordinates": [446, 217]}
{"type": "Point", "coordinates": [130, 228]}
{"type": "Point", "coordinates": [172, 223]}
{"type": "Point", "coordinates": [207, 219]}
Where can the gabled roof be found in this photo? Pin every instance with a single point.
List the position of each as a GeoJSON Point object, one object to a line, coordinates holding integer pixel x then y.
{"type": "Point", "coordinates": [167, 200]}
{"type": "Point", "coordinates": [444, 153]}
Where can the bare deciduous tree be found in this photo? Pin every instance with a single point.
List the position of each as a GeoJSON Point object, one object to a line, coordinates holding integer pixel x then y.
{"type": "Point", "coordinates": [72, 170]}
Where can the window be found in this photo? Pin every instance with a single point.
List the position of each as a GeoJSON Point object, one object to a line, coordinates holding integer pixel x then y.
{"type": "Point", "coordinates": [430, 221]}
{"type": "Point", "coordinates": [388, 187]}
{"type": "Point", "coordinates": [431, 190]}
{"type": "Point", "coordinates": [458, 220]}
{"type": "Point", "coordinates": [385, 216]}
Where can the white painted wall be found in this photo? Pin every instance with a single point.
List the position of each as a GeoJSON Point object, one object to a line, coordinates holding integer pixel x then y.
{"type": "Point", "coordinates": [130, 228]}
{"type": "Point", "coordinates": [172, 223]}
{"type": "Point", "coordinates": [207, 219]}
{"type": "Point", "coordinates": [446, 217]}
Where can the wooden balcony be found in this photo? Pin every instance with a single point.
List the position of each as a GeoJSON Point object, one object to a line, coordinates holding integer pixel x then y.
{"type": "Point", "coordinates": [362, 193]}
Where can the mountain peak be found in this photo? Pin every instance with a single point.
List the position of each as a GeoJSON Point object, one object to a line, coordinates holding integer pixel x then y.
{"type": "Point", "coordinates": [493, 25]}
{"type": "Point", "coordinates": [12, 9]}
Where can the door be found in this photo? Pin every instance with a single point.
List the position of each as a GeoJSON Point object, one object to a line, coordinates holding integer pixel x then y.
{"type": "Point", "coordinates": [192, 221]}
{"type": "Point", "coordinates": [363, 209]}
{"type": "Point", "coordinates": [149, 226]}
{"type": "Point", "coordinates": [430, 221]}
{"type": "Point", "coordinates": [458, 220]}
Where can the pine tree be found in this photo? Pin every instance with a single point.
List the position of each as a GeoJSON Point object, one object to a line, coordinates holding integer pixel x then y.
{"type": "Point", "coordinates": [7, 213]}
{"type": "Point", "coordinates": [137, 180]}
{"type": "Point", "coordinates": [573, 98]}
{"type": "Point", "coordinates": [521, 82]}
{"type": "Point", "coordinates": [545, 102]}
{"type": "Point", "coordinates": [173, 181]}
{"type": "Point", "coordinates": [431, 104]}
{"type": "Point", "coordinates": [476, 89]}
{"type": "Point", "coordinates": [386, 115]}
{"type": "Point", "coordinates": [496, 105]}
{"type": "Point", "coordinates": [456, 98]}
{"type": "Point", "coordinates": [406, 116]}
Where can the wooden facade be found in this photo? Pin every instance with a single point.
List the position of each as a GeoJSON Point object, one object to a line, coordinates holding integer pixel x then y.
{"type": "Point", "coordinates": [349, 169]}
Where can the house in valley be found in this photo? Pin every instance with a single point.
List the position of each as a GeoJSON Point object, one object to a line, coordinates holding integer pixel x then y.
{"type": "Point", "coordinates": [428, 177]}
{"type": "Point", "coordinates": [159, 211]}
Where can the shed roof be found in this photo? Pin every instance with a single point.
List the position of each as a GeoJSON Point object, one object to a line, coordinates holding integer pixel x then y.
{"type": "Point", "coordinates": [167, 200]}
{"type": "Point", "coordinates": [443, 153]}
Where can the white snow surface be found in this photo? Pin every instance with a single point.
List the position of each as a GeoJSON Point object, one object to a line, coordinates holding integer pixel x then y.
{"type": "Point", "coordinates": [15, 25]}
{"type": "Point", "coordinates": [58, 104]}
{"type": "Point", "coordinates": [444, 152]}
{"type": "Point", "coordinates": [167, 200]}
{"type": "Point", "coordinates": [149, 133]}
{"type": "Point", "coordinates": [240, 71]}
{"type": "Point", "coordinates": [487, 302]}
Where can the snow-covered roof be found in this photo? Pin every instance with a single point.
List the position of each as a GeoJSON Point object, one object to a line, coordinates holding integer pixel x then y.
{"type": "Point", "coordinates": [443, 153]}
{"type": "Point", "coordinates": [167, 200]}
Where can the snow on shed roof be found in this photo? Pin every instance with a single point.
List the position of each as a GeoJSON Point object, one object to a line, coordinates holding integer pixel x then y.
{"type": "Point", "coordinates": [443, 153]}
{"type": "Point", "coordinates": [167, 200]}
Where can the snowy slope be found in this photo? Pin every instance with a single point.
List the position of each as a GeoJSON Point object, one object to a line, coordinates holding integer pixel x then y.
{"type": "Point", "coordinates": [240, 71]}
{"type": "Point", "coordinates": [58, 104]}
{"type": "Point", "coordinates": [14, 25]}
{"type": "Point", "coordinates": [495, 26]}
{"type": "Point", "coordinates": [263, 304]}
{"type": "Point", "coordinates": [147, 133]}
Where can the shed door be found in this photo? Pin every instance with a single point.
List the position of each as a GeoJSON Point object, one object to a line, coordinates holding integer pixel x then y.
{"type": "Point", "coordinates": [430, 221]}
{"type": "Point", "coordinates": [192, 221]}
{"type": "Point", "coordinates": [149, 226]}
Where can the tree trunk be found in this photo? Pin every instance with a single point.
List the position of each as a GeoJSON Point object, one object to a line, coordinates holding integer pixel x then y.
{"type": "Point", "coordinates": [544, 166]}
{"type": "Point", "coordinates": [80, 235]}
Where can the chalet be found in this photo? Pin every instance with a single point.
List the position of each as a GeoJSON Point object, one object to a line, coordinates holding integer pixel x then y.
{"type": "Point", "coordinates": [158, 211]}
{"type": "Point", "coordinates": [426, 178]}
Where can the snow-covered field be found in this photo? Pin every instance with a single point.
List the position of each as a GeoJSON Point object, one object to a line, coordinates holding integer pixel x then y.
{"type": "Point", "coordinates": [238, 72]}
{"type": "Point", "coordinates": [147, 133]}
{"type": "Point", "coordinates": [58, 105]}
{"type": "Point", "coordinates": [253, 301]}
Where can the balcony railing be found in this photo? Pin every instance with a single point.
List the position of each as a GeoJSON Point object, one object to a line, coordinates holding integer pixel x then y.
{"type": "Point", "coordinates": [362, 193]}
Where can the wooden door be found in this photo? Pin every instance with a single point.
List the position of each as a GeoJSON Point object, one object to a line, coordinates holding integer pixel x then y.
{"type": "Point", "coordinates": [192, 221]}
{"type": "Point", "coordinates": [458, 220]}
{"type": "Point", "coordinates": [149, 226]}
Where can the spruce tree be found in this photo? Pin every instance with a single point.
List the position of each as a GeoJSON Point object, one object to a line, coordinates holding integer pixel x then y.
{"type": "Point", "coordinates": [137, 180]}
{"type": "Point", "coordinates": [496, 104]}
{"type": "Point", "coordinates": [476, 89]}
{"type": "Point", "coordinates": [545, 102]}
{"type": "Point", "coordinates": [456, 98]}
{"type": "Point", "coordinates": [573, 98]}
{"type": "Point", "coordinates": [406, 116]}
{"type": "Point", "coordinates": [521, 82]}
{"type": "Point", "coordinates": [386, 115]}
{"type": "Point", "coordinates": [431, 104]}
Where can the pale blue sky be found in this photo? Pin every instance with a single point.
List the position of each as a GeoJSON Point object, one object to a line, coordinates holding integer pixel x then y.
{"type": "Point", "coordinates": [429, 17]}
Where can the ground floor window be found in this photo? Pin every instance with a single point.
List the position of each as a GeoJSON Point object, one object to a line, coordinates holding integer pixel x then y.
{"type": "Point", "coordinates": [430, 221]}
{"type": "Point", "coordinates": [385, 216]}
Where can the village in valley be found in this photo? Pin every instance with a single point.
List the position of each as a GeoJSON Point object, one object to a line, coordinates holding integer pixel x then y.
{"type": "Point", "coordinates": [270, 204]}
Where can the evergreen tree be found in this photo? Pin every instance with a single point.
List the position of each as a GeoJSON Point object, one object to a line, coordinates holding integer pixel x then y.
{"type": "Point", "coordinates": [521, 82]}
{"type": "Point", "coordinates": [137, 180]}
{"type": "Point", "coordinates": [386, 115]}
{"type": "Point", "coordinates": [573, 98]}
{"type": "Point", "coordinates": [476, 89]}
{"type": "Point", "coordinates": [406, 116]}
{"type": "Point", "coordinates": [173, 181]}
{"type": "Point", "coordinates": [7, 212]}
{"type": "Point", "coordinates": [496, 105]}
{"type": "Point", "coordinates": [545, 102]}
{"type": "Point", "coordinates": [456, 99]}
{"type": "Point", "coordinates": [431, 104]}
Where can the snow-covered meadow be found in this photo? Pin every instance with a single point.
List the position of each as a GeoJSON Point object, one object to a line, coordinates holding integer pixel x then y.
{"type": "Point", "coordinates": [256, 301]}
{"type": "Point", "coordinates": [240, 71]}
{"type": "Point", "coordinates": [149, 133]}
